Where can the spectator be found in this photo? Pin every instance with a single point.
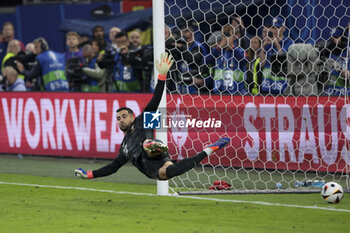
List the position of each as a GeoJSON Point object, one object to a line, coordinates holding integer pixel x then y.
{"type": "Point", "coordinates": [273, 54]}
{"type": "Point", "coordinates": [96, 77]}
{"type": "Point", "coordinates": [98, 34]}
{"type": "Point", "coordinates": [193, 74]}
{"type": "Point", "coordinates": [128, 67]}
{"type": "Point", "coordinates": [135, 40]}
{"type": "Point", "coordinates": [336, 49]}
{"type": "Point", "coordinates": [254, 74]}
{"type": "Point", "coordinates": [49, 69]}
{"type": "Point", "coordinates": [12, 82]}
{"type": "Point", "coordinates": [72, 42]}
{"type": "Point", "coordinates": [240, 37]}
{"type": "Point", "coordinates": [8, 34]}
{"type": "Point", "coordinates": [112, 32]}
{"type": "Point", "coordinates": [230, 64]}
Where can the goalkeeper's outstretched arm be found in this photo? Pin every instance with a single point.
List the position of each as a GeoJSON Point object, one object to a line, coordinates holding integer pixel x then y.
{"type": "Point", "coordinates": [163, 67]}
{"type": "Point", "coordinates": [107, 170]}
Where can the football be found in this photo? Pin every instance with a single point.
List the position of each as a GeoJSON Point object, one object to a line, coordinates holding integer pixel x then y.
{"type": "Point", "coordinates": [332, 192]}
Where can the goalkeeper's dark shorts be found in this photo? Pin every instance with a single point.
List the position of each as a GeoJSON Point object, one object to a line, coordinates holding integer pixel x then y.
{"type": "Point", "coordinates": [150, 166]}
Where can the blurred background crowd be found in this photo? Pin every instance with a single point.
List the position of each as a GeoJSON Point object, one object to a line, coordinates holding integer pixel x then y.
{"type": "Point", "coordinates": [227, 61]}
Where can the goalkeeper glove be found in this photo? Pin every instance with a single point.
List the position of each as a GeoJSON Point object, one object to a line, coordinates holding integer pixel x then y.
{"type": "Point", "coordinates": [83, 174]}
{"type": "Point", "coordinates": [166, 61]}
{"type": "Point", "coordinates": [155, 149]}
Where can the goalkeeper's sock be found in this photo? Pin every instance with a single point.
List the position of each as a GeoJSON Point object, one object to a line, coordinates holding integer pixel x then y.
{"type": "Point", "coordinates": [185, 165]}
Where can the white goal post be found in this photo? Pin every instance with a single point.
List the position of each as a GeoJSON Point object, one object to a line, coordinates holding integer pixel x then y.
{"type": "Point", "coordinates": [284, 105]}
{"type": "Point", "coordinates": [159, 48]}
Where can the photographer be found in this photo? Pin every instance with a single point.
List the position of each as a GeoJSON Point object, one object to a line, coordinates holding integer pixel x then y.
{"type": "Point", "coordinates": [177, 47]}
{"type": "Point", "coordinates": [274, 44]}
{"type": "Point", "coordinates": [96, 77]}
{"type": "Point", "coordinates": [10, 80]}
{"type": "Point", "coordinates": [230, 64]}
{"type": "Point", "coordinates": [112, 32]}
{"type": "Point", "coordinates": [241, 39]}
{"type": "Point", "coordinates": [128, 66]}
{"type": "Point", "coordinates": [194, 71]}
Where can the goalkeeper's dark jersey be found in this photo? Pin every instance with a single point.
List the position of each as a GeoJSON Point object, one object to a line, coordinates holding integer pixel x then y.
{"type": "Point", "coordinates": [131, 147]}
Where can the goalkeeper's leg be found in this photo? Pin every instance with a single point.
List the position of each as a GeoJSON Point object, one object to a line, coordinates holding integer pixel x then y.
{"type": "Point", "coordinates": [169, 170]}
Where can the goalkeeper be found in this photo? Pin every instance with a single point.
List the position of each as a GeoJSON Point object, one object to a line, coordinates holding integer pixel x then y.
{"type": "Point", "coordinates": [148, 155]}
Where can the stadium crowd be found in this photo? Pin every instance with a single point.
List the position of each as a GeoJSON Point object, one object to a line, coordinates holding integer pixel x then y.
{"type": "Point", "coordinates": [229, 61]}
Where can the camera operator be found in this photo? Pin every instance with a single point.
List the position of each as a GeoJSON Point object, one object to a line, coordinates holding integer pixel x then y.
{"type": "Point", "coordinates": [75, 76]}
{"type": "Point", "coordinates": [15, 55]}
{"type": "Point", "coordinates": [49, 69]}
{"type": "Point", "coordinates": [27, 59]}
{"type": "Point", "coordinates": [96, 77]}
{"type": "Point", "coordinates": [128, 65]}
{"type": "Point", "coordinates": [10, 80]}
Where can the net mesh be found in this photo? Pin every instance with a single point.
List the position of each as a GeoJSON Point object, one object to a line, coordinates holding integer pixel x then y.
{"type": "Point", "coordinates": [275, 74]}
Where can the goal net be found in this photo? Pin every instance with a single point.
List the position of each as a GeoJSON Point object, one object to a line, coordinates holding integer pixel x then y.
{"type": "Point", "coordinates": [272, 76]}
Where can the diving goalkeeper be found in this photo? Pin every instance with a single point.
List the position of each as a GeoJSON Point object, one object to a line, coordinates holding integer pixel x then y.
{"type": "Point", "coordinates": [150, 156]}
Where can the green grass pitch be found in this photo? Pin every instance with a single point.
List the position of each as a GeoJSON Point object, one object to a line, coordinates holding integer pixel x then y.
{"type": "Point", "coordinates": [42, 195]}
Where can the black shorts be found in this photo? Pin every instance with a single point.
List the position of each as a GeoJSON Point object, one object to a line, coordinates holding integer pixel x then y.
{"type": "Point", "coordinates": [150, 166]}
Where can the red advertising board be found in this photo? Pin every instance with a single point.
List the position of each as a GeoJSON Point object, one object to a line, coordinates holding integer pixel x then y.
{"type": "Point", "coordinates": [306, 133]}
{"type": "Point", "coordinates": [67, 124]}
{"type": "Point", "coordinates": [266, 132]}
